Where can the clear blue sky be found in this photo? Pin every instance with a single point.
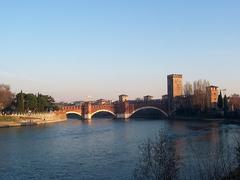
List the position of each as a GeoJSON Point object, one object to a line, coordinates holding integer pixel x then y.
{"type": "Point", "coordinates": [72, 49]}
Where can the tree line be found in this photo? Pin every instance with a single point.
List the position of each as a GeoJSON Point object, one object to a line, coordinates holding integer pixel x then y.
{"type": "Point", "coordinates": [24, 102]}
{"type": "Point", "coordinates": [6, 96]}
{"type": "Point", "coordinates": [195, 102]}
{"type": "Point", "coordinates": [196, 96]}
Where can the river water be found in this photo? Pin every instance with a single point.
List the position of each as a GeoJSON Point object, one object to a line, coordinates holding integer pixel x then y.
{"type": "Point", "coordinates": [101, 149]}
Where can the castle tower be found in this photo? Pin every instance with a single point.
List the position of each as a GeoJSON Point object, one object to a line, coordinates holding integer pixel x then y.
{"type": "Point", "coordinates": [175, 89]}
{"type": "Point", "coordinates": [123, 98]}
{"type": "Point", "coordinates": [212, 96]}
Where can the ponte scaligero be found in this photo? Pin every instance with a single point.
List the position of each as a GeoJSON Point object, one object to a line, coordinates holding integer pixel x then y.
{"type": "Point", "coordinates": [121, 109]}
{"type": "Point", "coordinates": [124, 108]}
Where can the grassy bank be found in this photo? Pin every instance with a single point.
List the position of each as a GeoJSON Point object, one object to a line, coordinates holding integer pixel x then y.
{"type": "Point", "coordinates": [8, 119]}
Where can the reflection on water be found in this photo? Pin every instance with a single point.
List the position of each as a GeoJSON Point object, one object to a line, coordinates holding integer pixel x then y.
{"type": "Point", "coordinates": [101, 148]}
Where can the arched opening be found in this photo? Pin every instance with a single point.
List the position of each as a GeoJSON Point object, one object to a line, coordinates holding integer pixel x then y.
{"type": "Point", "coordinates": [103, 114]}
{"type": "Point", "coordinates": [149, 113]}
{"type": "Point", "coordinates": [74, 115]}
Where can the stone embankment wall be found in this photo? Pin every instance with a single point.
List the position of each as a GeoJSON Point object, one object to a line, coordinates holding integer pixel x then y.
{"type": "Point", "coordinates": [41, 116]}
{"type": "Point", "coordinates": [48, 116]}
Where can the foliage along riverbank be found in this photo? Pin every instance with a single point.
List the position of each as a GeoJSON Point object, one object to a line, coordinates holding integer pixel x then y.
{"type": "Point", "coordinates": [159, 159]}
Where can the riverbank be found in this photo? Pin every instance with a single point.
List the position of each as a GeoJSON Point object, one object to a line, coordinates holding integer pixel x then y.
{"type": "Point", "coordinates": [29, 120]}
{"type": "Point", "coordinates": [198, 118]}
{"type": "Point", "coordinates": [194, 118]}
{"type": "Point", "coordinates": [206, 119]}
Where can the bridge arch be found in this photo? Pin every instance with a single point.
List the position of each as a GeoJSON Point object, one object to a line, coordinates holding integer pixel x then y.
{"type": "Point", "coordinates": [103, 110]}
{"type": "Point", "coordinates": [148, 107]}
{"type": "Point", "coordinates": [74, 113]}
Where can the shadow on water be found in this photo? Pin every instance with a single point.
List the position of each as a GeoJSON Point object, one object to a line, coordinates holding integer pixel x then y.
{"type": "Point", "coordinates": [72, 116]}
{"type": "Point", "coordinates": [99, 115]}
{"type": "Point", "coordinates": [104, 115]}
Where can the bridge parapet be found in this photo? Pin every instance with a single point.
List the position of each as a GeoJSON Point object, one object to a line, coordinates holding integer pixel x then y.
{"type": "Point", "coordinates": [65, 108]}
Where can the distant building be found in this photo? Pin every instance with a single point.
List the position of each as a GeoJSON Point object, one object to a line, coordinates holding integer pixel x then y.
{"type": "Point", "coordinates": [138, 99]}
{"type": "Point", "coordinates": [175, 89]}
{"type": "Point", "coordinates": [123, 98]}
{"type": "Point", "coordinates": [77, 103]}
{"type": "Point", "coordinates": [164, 100]}
{"type": "Point", "coordinates": [103, 102]}
{"type": "Point", "coordinates": [165, 97]}
{"type": "Point", "coordinates": [148, 98]}
{"type": "Point", "coordinates": [212, 96]}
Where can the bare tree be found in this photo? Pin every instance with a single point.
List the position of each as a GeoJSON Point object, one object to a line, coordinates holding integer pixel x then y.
{"type": "Point", "coordinates": [195, 95]}
{"type": "Point", "coordinates": [200, 85]}
{"type": "Point", "coordinates": [234, 102]}
{"type": "Point", "coordinates": [158, 160]}
{"type": "Point", "coordinates": [221, 162]}
{"type": "Point", "coordinates": [199, 98]}
{"type": "Point", "coordinates": [6, 96]}
{"type": "Point", "coordinates": [188, 89]}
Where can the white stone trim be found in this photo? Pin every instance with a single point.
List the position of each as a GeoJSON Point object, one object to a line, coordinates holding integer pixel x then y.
{"type": "Point", "coordinates": [73, 112]}
{"type": "Point", "coordinates": [149, 107]}
{"type": "Point", "coordinates": [103, 110]}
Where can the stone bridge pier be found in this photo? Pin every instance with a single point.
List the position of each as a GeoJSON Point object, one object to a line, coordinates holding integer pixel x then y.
{"type": "Point", "coordinates": [123, 110]}
{"type": "Point", "coordinates": [87, 111]}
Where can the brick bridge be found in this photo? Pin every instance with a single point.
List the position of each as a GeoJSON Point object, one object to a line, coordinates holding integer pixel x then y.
{"type": "Point", "coordinates": [122, 109]}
